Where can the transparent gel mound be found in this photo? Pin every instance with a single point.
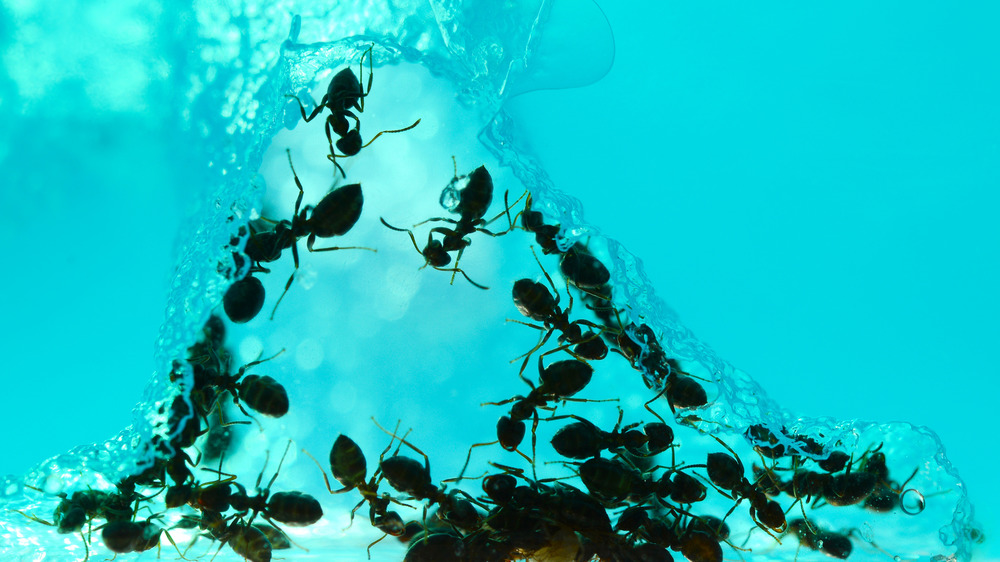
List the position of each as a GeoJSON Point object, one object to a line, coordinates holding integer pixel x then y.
{"type": "Point", "coordinates": [363, 340]}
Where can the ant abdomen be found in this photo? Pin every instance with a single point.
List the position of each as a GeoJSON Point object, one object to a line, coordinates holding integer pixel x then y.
{"type": "Point", "coordinates": [294, 508]}
{"type": "Point", "coordinates": [264, 394]}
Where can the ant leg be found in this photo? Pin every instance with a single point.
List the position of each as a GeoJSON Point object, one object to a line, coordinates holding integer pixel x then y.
{"type": "Point", "coordinates": [298, 201]}
{"type": "Point", "coordinates": [275, 477]}
{"type": "Point", "coordinates": [653, 399]}
{"type": "Point", "coordinates": [534, 439]}
{"type": "Point", "coordinates": [506, 211]}
{"type": "Point", "coordinates": [404, 129]}
{"type": "Point", "coordinates": [456, 270]}
{"type": "Point", "coordinates": [402, 441]}
{"type": "Point", "coordinates": [507, 401]}
{"type": "Point", "coordinates": [171, 539]}
{"type": "Point", "coordinates": [527, 356]}
{"type": "Point", "coordinates": [468, 458]}
{"type": "Point", "coordinates": [371, 75]}
{"type": "Point", "coordinates": [384, 535]}
{"type": "Point", "coordinates": [288, 285]}
{"type": "Point", "coordinates": [327, 480]}
{"type": "Point", "coordinates": [436, 219]}
{"type": "Point", "coordinates": [316, 108]}
{"type": "Point", "coordinates": [244, 368]}
{"type": "Point", "coordinates": [311, 240]}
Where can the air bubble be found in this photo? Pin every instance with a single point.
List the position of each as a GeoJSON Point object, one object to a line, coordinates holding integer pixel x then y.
{"type": "Point", "coordinates": [867, 533]}
{"type": "Point", "coordinates": [912, 502]}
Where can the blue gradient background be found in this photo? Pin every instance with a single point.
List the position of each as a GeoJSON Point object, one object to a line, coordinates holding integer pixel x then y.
{"type": "Point", "coordinates": [813, 189]}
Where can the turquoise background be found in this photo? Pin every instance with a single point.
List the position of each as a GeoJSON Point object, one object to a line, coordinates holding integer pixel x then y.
{"type": "Point", "coordinates": [813, 189]}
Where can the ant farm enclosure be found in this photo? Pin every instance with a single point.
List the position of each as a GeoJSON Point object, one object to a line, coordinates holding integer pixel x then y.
{"type": "Point", "coordinates": [390, 334]}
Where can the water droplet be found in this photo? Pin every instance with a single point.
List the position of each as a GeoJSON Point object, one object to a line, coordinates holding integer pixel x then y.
{"type": "Point", "coordinates": [911, 502]}
{"type": "Point", "coordinates": [867, 533]}
{"type": "Point", "coordinates": [450, 198]}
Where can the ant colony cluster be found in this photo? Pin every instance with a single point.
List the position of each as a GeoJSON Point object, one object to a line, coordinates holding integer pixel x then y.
{"type": "Point", "coordinates": [566, 475]}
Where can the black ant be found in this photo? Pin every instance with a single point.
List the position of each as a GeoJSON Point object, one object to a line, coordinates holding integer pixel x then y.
{"type": "Point", "coordinates": [291, 508]}
{"type": "Point", "coordinates": [248, 541]}
{"type": "Point", "coordinates": [582, 439]}
{"type": "Point", "coordinates": [473, 201]}
{"type": "Point", "coordinates": [639, 345]}
{"type": "Point", "coordinates": [342, 95]}
{"type": "Point", "coordinates": [545, 234]}
{"type": "Point", "coordinates": [557, 382]}
{"type": "Point", "coordinates": [129, 536]}
{"type": "Point", "coordinates": [582, 269]}
{"type": "Point", "coordinates": [832, 544]}
{"type": "Point", "coordinates": [262, 393]}
{"type": "Point", "coordinates": [334, 215]}
{"type": "Point", "coordinates": [535, 301]}
{"type": "Point", "coordinates": [349, 467]}
{"type": "Point", "coordinates": [728, 473]}
{"type": "Point", "coordinates": [409, 477]}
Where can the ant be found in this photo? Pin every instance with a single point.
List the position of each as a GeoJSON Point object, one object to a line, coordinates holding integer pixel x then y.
{"type": "Point", "coordinates": [728, 475]}
{"type": "Point", "coordinates": [291, 508]}
{"type": "Point", "coordinates": [810, 536]}
{"type": "Point", "coordinates": [535, 302]}
{"type": "Point", "coordinates": [349, 467]}
{"type": "Point", "coordinates": [639, 345]}
{"type": "Point", "coordinates": [582, 439]}
{"type": "Point", "coordinates": [473, 201]}
{"type": "Point", "coordinates": [558, 381]}
{"type": "Point", "coordinates": [262, 393]}
{"type": "Point", "coordinates": [248, 541]}
{"type": "Point", "coordinates": [545, 234]}
{"type": "Point", "coordinates": [128, 536]}
{"type": "Point", "coordinates": [409, 477]}
{"type": "Point", "coordinates": [342, 95]}
{"type": "Point", "coordinates": [334, 215]}
{"type": "Point", "coordinates": [582, 269]}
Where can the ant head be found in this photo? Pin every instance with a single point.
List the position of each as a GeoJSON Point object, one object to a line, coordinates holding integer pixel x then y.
{"type": "Point", "coordinates": [350, 143]}
{"type": "Point", "coordinates": [510, 430]}
{"type": "Point", "coordinates": [499, 487]}
{"type": "Point", "coordinates": [435, 254]}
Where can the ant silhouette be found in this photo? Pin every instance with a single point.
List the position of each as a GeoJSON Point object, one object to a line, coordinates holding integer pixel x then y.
{"type": "Point", "coordinates": [536, 303]}
{"type": "Point", "coordinates": [349, 467]}
{"type": "Point", "coordinates": [342, 95]}
{"type": "Point", "coordinates": [334, 215]}
{"type": "Point", "coordinates": [470, 203]}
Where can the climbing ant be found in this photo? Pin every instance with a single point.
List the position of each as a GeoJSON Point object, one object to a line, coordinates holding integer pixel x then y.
{"type": "Point", "coordinates": [349, 467]}
{"type": "Point", "coordinates": [262, 393]}
{"type": "Point", "coordinates": [582, 439]}
{"type": "Point", "coordinates": [535, 302]}
{"type": "Point", "coordinates": [334, 215]}
{"type": "Point", "coordinates": [471, 203]}
{"type": "Point", "coordinates": [407, 476]}
{"type": "Point", "coordinates": [342, 95]}
{"type": "Point", "coordinates": [291, 508]}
